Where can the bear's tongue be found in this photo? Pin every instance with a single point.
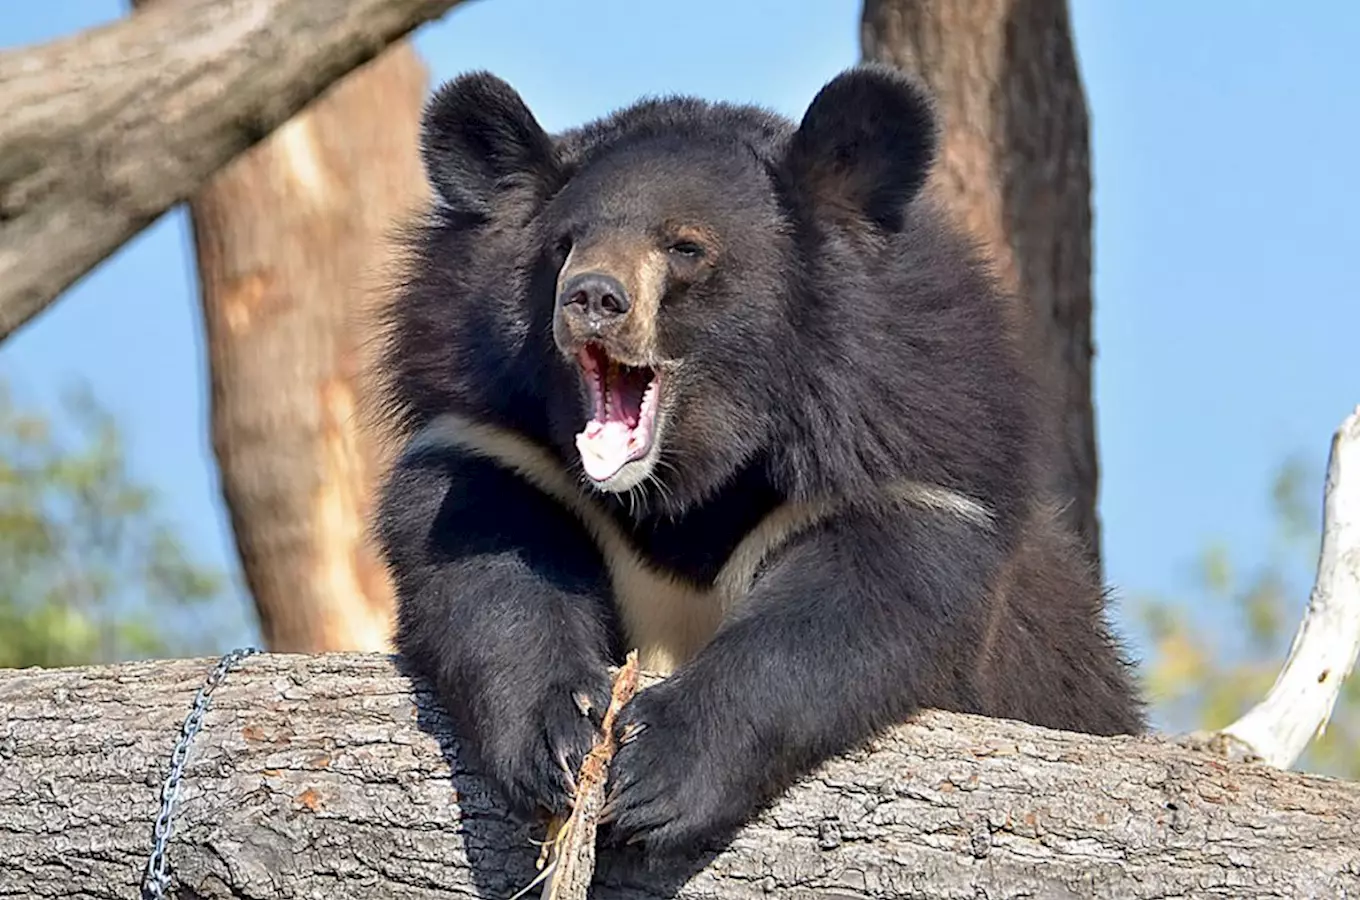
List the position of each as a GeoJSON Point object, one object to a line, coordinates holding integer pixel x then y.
{"type": "Point", "coordinates": [624, 400]}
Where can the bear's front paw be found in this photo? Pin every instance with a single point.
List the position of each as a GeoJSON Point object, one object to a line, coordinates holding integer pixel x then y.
{"type": "Point", "coordinates": [536, 751]}
{"type": "Point", "coordinates": [676, 782]}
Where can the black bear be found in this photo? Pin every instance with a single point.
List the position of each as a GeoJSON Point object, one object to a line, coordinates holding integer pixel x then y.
{"type": "Point", "coordinates": [727, 389]}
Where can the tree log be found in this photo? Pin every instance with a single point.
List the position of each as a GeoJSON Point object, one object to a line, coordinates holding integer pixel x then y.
{"type": "Point", "coordinates": [1015, 169]}
{"type": "Point", "coordinates": [103, 131]}
{"type": "Point", "coordinates": [334, 776]}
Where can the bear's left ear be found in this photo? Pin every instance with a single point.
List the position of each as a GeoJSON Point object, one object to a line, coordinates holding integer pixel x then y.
{"type": "Point", "coordinates": [865, 145]}
{"type": "Point", "coordinates": [479, 140]}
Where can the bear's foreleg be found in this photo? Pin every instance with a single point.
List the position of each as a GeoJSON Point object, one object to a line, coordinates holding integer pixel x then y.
{"type": "Point", "coordinates": [847, 632]}
{"type": "Point", "coordinates": [503, 605]}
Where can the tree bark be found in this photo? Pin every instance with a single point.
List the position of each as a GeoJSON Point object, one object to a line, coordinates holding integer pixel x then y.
{"type": "Point", "coordinates": [292, 241]}
{"type": "Point", "coordinates": [103, 131]}
{"type": "Point", "coordinates": [1015, 170]}
{"type": "Point", "coordinates": [328, 777]}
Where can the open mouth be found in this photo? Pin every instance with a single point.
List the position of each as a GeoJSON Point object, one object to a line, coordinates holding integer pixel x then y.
{"type": "Point", "coordinates": [623, 425]}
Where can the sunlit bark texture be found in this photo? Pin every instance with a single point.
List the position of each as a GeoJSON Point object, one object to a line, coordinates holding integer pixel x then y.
{"type": "Point", "coordinates": [293, 241]}
{"type": "Point", "coordinates": [328, 778]}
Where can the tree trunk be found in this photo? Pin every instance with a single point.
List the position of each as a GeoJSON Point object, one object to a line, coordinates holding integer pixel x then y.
{"type": "Point", "coordinates": [103, 131]}
{"type": "Point", "coordinates": [1015, 169]}
{"type": "Point", "coordinates": [329, 778]}
{"type": "Point", "coordinates": [292, 242]}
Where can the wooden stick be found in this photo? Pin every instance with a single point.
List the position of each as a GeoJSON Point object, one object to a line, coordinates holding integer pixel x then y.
{"type": "Point", "coordinates": [567, 863]}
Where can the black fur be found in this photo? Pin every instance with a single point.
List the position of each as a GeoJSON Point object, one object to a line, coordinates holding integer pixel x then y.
{"type": "Point", "coordinates": [838, 337]}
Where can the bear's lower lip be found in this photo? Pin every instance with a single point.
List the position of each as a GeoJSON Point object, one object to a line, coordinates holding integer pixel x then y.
{"type": "Point", "coordinates": [623, 425]}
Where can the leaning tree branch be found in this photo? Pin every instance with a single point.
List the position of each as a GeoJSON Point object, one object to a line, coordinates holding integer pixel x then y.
{"type": "Point", "coordinates": [1298, 705]}
{"type": "Point", "coordinates": [330, 777]}
{"type": "Point", "coordinates": [103, 131]}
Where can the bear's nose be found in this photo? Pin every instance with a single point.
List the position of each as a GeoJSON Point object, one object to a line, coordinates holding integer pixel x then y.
{"type": "Point", "coordinates": [596, 296]}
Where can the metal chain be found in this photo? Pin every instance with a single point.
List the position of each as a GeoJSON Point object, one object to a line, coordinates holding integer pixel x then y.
{"type": "Point", "coordinates": [156, 880]}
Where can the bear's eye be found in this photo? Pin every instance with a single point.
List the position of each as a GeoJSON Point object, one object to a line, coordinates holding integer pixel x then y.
{"type": "Point", "coordinates": [687, 249]}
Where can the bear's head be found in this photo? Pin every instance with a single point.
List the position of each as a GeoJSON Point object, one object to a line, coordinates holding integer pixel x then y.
{"type": "Point", "coordinates": [668, 293]}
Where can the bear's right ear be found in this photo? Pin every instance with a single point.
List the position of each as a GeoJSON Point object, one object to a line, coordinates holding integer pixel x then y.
{"type": "Point", "coordinates": [865, 146]}
{"type": "Point", "coordinates": [479, 140]}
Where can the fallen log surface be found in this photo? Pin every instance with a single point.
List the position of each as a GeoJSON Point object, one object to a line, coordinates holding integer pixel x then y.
{"type": "Point", "coordinates": [335, 776]}
{"type": "Point", "coordinates": [103, 131]}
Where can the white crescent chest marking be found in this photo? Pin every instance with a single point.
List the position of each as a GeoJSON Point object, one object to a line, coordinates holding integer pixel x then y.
{"type": "Point", "coordinates": [666, 617]}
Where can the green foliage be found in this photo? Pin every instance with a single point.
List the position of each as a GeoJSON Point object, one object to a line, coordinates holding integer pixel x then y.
{"type": "Point", "coordinates": [89, 572]}
{"type": "Point", "coordinates": [1207, 671]}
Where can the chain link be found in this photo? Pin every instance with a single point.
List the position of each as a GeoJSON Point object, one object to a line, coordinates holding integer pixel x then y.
{"type": "Point", "coordinates": [156, 880]}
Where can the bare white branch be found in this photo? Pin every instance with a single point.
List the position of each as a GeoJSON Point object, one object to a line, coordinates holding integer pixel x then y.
{"type": "Point", "coordinates": [1324, 650]}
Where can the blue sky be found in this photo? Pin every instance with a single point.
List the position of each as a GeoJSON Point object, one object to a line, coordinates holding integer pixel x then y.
{"type": "Point", "coordinates": [1227, 271]}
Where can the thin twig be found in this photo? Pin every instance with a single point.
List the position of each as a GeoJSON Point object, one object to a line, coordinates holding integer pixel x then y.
{"type": "Point", "coordinates": [567, 863]}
